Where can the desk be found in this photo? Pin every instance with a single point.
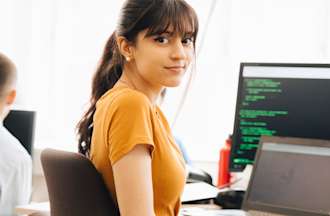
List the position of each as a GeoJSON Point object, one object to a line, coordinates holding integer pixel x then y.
{"type": "Point", "coordinates": [34, 209]}
{"type": "Point", "coordinates": [43, 208]}
{"type": "Point", "coordinates": [192, 191]}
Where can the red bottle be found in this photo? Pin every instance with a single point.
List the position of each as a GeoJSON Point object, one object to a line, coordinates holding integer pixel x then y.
{"type": "Point", "coordinates": [223, 172]}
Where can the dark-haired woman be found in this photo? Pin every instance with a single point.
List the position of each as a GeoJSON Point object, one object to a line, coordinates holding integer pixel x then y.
{"type": "Point", "coordinates": [124, 132]}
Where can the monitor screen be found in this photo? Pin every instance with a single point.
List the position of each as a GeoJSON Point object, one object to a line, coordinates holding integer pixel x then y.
{"type": "Point", "coordinates": [282, 100]}
{"type": "Point", "coordinates": [21, 124]}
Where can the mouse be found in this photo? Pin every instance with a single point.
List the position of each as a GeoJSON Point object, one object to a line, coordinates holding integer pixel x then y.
{"type": "Point", "coordinates": [230, 199]}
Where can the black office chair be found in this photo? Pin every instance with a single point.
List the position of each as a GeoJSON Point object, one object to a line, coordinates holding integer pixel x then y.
{"type": "Point", "coordinates": [75, 187]}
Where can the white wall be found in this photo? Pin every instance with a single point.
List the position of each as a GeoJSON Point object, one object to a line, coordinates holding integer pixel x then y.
{"type": "Point", "coordinates": [56, 45]}
{"type": "Point", "coordinates": [239, 31]}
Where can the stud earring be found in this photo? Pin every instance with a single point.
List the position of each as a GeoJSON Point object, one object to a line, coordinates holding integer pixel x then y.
{"type": "Point", "coordinates": [128, 59]}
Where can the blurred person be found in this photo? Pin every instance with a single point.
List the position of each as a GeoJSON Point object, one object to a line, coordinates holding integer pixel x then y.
{"type": "Point", "coordinates": [15, 162]}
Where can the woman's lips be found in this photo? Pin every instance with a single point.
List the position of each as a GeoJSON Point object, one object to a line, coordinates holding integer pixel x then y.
{"type": "Point", "coordinates": [176, 69]}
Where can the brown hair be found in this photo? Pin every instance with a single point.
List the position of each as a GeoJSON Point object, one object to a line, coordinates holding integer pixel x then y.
{"type": "Point", "coordinates": [155, 16]}
{"type": "Point", "coordinates": [7, 74]}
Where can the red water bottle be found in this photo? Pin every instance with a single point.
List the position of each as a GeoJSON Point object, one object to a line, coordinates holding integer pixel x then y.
{"type": "Point", "coordinates": [223, 172]}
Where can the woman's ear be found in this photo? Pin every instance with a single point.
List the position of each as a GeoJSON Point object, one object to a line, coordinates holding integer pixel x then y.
{"type": "Point", "coordinates": [125, 48]}
{"type": "Point", "coordinates": [10, 98]}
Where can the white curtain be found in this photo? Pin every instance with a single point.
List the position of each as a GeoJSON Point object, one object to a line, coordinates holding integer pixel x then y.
{"type": "Point", "coordinates": [56, 45]}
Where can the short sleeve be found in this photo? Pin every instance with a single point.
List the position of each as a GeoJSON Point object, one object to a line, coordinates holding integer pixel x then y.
{"type": "Point", "coordinates": [130, 124]}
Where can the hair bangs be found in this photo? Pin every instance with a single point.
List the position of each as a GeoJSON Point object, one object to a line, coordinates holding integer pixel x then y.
{"type": "Point", "coordinates": [175, 17]}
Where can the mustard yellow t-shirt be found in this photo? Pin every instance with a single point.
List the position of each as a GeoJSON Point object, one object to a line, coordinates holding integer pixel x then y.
{"type": "Point", "coordinates": [124, 118]}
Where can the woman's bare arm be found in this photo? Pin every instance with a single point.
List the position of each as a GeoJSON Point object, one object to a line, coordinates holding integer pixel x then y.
{"type": "Point", "coordinates": [133, 182]}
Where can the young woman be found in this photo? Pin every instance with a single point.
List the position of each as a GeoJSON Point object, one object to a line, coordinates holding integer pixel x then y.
{"type": "Point", "coordinates": [124, 132]}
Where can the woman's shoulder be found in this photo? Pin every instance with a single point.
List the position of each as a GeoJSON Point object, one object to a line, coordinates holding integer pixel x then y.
{"type": "Point", "coordinates": [126, 97]}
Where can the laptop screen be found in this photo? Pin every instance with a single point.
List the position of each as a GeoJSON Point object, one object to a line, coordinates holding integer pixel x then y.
{"type": "Point", "coordinates": [291, 175]}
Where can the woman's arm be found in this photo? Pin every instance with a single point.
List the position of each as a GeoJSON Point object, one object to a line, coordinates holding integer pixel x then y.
{"type": "Point", "coordinates": [133, 182]}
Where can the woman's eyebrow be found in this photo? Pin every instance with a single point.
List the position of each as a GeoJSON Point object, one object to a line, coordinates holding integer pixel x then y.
{"type": "Point", "coordinates": [185, 34]}
{"type": "Point", "coordinates": [190, 33]}
{"type": "Point", "coordinates": [162, 33]}
{"type": "Point", "coordinates": [170, 33]}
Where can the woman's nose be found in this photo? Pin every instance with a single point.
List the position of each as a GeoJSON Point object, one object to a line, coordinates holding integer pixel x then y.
{"type": "Point", "coordinates": [178, 51]}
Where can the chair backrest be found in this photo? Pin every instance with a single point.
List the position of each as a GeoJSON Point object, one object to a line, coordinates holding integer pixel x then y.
{"type": "Point", "coordinates": [75, 187]}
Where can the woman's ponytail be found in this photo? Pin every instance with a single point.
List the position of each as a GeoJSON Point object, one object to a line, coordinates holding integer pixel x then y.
{"type": "Point", "coordinates": [155, 16]}
{"type": "Point", "coordinates": [105, 77]}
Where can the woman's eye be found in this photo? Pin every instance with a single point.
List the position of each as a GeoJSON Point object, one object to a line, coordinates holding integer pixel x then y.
{"type": "Point", "coordinates": [187, 41]}
{"type": "Point", "coordinates": [161, 39]}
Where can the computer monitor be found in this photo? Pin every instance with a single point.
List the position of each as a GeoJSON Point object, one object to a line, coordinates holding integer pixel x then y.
{"type": "Point", "coordinates": [291, 100]}
{"type": "Point", "coordinates": [21, 124]}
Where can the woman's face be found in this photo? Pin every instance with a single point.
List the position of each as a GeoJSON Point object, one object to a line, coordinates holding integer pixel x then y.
{"type": "Point", "coordinates": [163, 59]}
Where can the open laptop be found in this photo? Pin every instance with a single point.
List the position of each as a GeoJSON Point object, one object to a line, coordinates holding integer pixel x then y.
{"type": "Point", "coordinates": [291, 176]}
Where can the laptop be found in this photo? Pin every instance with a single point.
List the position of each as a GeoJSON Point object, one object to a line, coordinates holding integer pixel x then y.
{"type": "Point", "coordinates": [291, 176]}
